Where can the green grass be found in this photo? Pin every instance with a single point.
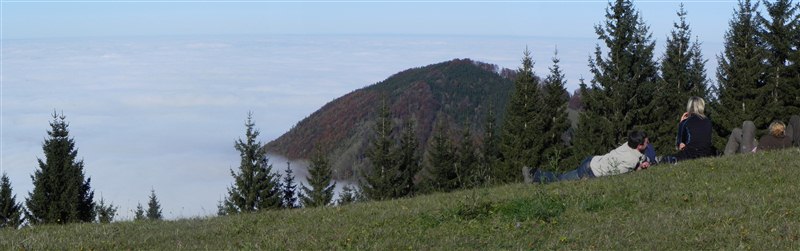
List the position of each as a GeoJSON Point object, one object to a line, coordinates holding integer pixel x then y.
{"type": "Point", "coordinates": [740, 202]}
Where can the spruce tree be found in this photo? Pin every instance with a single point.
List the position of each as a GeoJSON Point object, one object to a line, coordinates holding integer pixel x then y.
{"type": "Point", "coordinates": [520, 143]}
{"type": "Point", "coordinates": [255, 186]}
{"type": "Point", "coordinates": [555, 122]}
{"type": "Point", "coordinates": [623, 82]}
{"type": "Point", "coordinates": [10, 210]}
{"type": "Point", "coordinates": [153, 207]}
{"type": "Point", "coordinates": [408, 162]}
{"type": "Point", "coordinates": [682, 76]}
{"type": "Point", "coordinates": [289, 189]}
{"type": "Point", "coordinates": [138, 214]}
{"type": "Point", "coordinates": [740, 74]}
{"type": "Point", "coordinates": [779, 32]}
{"type": "Point", "coordinates": [320, 180]}
{"type": "Point", "coordinates": [490, 150]}
{"type": "Point", "coordinates": [60, 195]}
{"type": "Point", "coordinates": [467, 165]}
{"type": "Point", "coordinates": [442, 159]}
{"type": "Point", "coordinates": [349, 195]}
{"type": "Point", "coordinates": [105, 213]}
{"type": "Point", "coordinates": [382, 161]}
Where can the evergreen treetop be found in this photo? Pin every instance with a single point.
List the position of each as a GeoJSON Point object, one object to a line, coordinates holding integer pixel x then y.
{"type": "Point", "coordinates": [105, 213]}
{"type": "Point", "coordinates": [520, 144]}
{"type": "Point", "coordinates": [779, 35]}
{"type": "Point", "coordinates": [740, 73]}
{"type": "Point", "coordinates": [555, 123]}
{"type": "Point", "coordinates": [255, 186]}
{"type": "Point", "coordinates": [682, 76]}
{"type": "Point", "coordinates": [10, 210]}
{"type": "Point", "coordinates": [289, 189]}
{"type": "Point", "coordinates": [622, 84]}
{"type": "Point", "coordinates": [154, 207]}
{"type": "Point", "coordinates": [320, 180]}
{"type": "Point", "coordinates": [60, 195]}
{"type": "Point", "coordinates": [139, 213]}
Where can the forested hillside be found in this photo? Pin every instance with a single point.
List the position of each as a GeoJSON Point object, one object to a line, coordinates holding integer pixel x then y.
{"type": "Point", "coordinates": [458, 91]}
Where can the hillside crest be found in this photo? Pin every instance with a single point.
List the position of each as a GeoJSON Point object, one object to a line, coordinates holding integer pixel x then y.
{"type": "Point", "coordinates": [459, 91]}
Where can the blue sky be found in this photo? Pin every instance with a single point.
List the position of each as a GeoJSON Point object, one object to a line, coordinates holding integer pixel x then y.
{"type": "Point", "coordinates": [23, 19]}
{"type": "Point", "coordinates": [156, 93]}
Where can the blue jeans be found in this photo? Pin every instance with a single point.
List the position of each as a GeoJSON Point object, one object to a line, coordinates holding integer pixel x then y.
{"type": "Point", "coordinates": [583, 171]}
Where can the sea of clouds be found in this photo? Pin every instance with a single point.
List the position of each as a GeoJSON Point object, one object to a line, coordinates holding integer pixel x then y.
{"type": "Point", "coordinates": [163, 113]}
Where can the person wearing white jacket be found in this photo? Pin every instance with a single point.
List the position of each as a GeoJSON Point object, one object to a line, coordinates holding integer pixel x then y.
{"type": "Point", "coordinates": [625, 158]}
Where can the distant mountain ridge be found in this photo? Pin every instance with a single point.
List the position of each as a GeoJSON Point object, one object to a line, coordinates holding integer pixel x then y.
{"type": "Point", "coordinates": [460, 90]}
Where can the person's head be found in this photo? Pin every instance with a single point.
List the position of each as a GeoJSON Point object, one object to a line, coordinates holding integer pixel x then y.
{"type": "Point", "coordinates": [697, 106]}
{"type": "Point", "coordinates": [637, 140]}
{"type": "Point", "coordinates": [777, 129]}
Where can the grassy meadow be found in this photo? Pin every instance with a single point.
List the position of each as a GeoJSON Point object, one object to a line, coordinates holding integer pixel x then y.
{"type": "Point", "coordinates": [747, 201]}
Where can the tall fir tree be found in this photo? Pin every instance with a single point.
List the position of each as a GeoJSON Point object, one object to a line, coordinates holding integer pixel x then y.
{"type": "Point", "coordinates": [138, 214]}
{"type": "Point", "coordinates": [154, 207]}
{"type": "Point", "coordinates": [682, 76]}
{"type": "Point", "coordinates": [408, 161]}
{"type": "Point", "coordinates": [60, 195]}
{"type": "Point", "coordinates": [382, 160]}
{"type": "Point", "coordinates": [623, 82]}
{"type": "Point", "coordinates": [10, 210]}
{"type": "Point", "coordinates": [289, 189]}
{"type": "Point", "coordinates": [442, 159]}
{"type": "Point", "coordinates": [490, 152]}
{"type": "Point", "coordinates": [740, 74]}
{"type": "Point", "coordinates": [320, 181]}
{"type": "Point", "coordinates": [555, 122]}
{"type": "Point", "coordinates": [255, 186]}
{"type": "Point", "coordinates": [778, 32]}
{"type": "Point", "coordinates": [105, 213]}
{"type": "Point", "coordinates": [699, 86]}
{"type": "Point", "coordinates": [520, 145]}
{"type": "Point", "coordinates": [467, 165]}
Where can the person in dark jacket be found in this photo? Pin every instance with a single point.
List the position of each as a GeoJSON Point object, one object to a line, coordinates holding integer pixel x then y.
{"type": "Point", "coordinates": [776, 139]}
{"type": "Point", "coordinates": [694, 133]}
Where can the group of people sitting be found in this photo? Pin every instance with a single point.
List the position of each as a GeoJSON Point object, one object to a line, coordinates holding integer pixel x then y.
{"type": "Point", "coordinates": [694, 140]}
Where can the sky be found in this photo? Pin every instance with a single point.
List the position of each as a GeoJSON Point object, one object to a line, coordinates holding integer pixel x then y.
{"type": "Point", "coordinates": [157, 92]}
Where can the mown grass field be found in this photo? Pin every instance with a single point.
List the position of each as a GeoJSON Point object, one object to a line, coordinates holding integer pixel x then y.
{"type": "Point", "coordinates": [740, 202]}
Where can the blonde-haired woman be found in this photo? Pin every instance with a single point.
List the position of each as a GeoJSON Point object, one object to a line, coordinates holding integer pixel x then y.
{"type": "Point", "coordinates": [776, 139]}
{"type": "Point", "coordinates": [694, 132]}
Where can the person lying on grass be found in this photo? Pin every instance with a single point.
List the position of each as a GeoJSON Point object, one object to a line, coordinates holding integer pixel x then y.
{"type": "Point", "coordinates": [627, 157]}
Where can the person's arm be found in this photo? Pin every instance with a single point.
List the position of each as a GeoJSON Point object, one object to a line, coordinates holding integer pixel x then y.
{"type": "Point", "coordinates": [684, 116]}
{"type": "Point", "coordinates": [680, 140]}
{"type": "Point", "coordinates": [642, 166]}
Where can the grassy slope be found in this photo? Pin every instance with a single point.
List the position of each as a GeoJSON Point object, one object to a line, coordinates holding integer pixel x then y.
{"type": "Point", "coordinates": [745, 201]}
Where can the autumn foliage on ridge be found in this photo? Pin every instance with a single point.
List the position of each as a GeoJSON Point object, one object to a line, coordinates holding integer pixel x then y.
{"type": "Point", "coordinates": [458, 91]}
